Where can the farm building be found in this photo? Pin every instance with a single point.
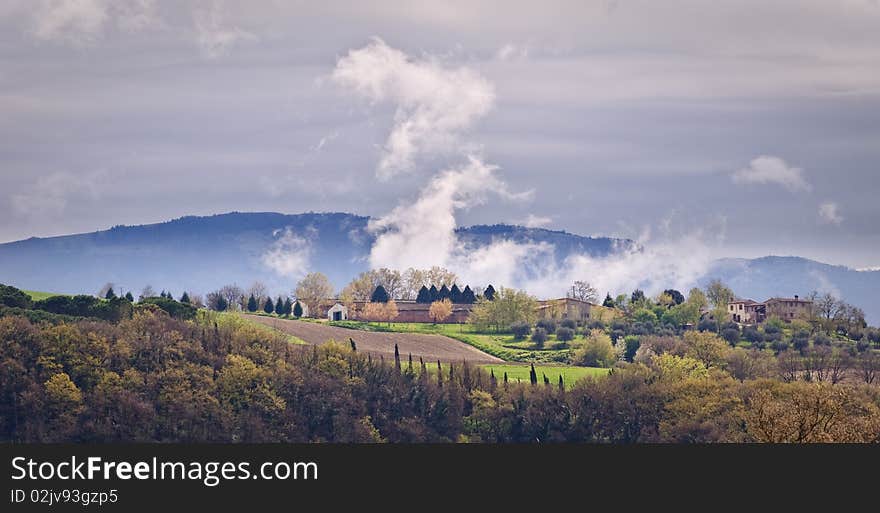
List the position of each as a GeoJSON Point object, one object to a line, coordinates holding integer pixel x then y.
{"type": "Point", "coordinates": [337, 312]}
{"type": "Point", "coordinates": [410, 311]}
{"type": "Point", "coordinates": [564, 308]}
{"type": "Point", "coordinates": [746, 311]}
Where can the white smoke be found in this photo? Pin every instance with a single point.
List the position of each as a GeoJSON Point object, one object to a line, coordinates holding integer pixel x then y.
{"type": "Point", "coordinates": [289, 255]}
{"type": "Point", "coordinates": [433, 104]}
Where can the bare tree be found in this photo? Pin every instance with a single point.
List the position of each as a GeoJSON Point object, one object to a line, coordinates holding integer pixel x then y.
{"type": "Point", "coordinates": [233, 294]}
{"type": "Point", "coordinates": [869, 366]}
{"type": "Point", "coordinates": [439, 276]}
{"type": "Point", "coordinates": [147, 292]}
{"type": "Point", "coordinates": [413, 280]}
{"type": "Point", "coordinates": [790, 364]}
{"type": "Point", "coordinates": [313, 290]}
{"type": "Point", "coordinates": [583, 291]}
{"type": "Point", "coordinates": [259, 291]}
{"type": "Point", "coordinates": [390, 279]}
{"type": "Point", "coordinates": [196, 300]}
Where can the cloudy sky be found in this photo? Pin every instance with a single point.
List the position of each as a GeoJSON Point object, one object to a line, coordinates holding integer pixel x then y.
{"type": "Point", "coordinates": [754, 120]}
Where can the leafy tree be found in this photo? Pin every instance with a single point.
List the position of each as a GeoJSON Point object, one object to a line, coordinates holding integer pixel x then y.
{"type": "Point", "coordinates": [520, 330]}
{"type": "Point", "coordinates": [252, 304]}
{"type": "Point", "coordinates": [312, 290]}
{"type": "Point", "coordinates": [597, 351]}
{"type": "Point", "coordinates": [269, 306]}
{"type": "Point", "coordinates": [548, 325]}
{"type": "Point", "coordinates": [677, 297]}
{"type": "Point", "coordinates": [440, 310]}
{"type": "Point", "coordinates": [638, 296]}
{"type": "Point", "coordinates": [424, 296]}
{"type": "Point", "coordinates": [568, 323]}
{"type": "Point", "coordinates": [509, 306]}
{"type": "Point", "coordinates": [380, 295]}
{"type": "Point", "coordinates": [455, 294]}
{"type": "Point", "coordinates": [632, 344]}
{"type": "Point", "coordinates": [11, 296]}
{"type": "Point", "coordinates": [222, 304]}
{"type": "Point", "coordinates": [297, 310]}
{"type": "Point", "coordinates": [467, 296]}
{"type": "Point", "coordinates": [539, 337]}
{"type": "Point", "coordinates": [719, 294]}
{"type": "Point", "coordinates": [608, 303]}
{"type": "Point", "coordinates": [564, 334]}
{"type": "Point", "coordinates": [731, 335]}
{"type": "Point", "coordinates": [489, 293]}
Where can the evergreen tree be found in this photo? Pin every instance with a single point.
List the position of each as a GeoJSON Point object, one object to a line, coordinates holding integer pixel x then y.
{"type": "Point", "coordinates": [439, 375]}
{"type": "Point", "coordinates": [129, 297]}
{"type": "Point", "coordinates": [269, 307]}
{"type": "Point", "coordinates": [110, 294]}
{"type": "Point", "coordinates": [444, 293]}
{"type": "Point", "coordinates": [424, 295]}
{"type": "Point", "coordinates": [492, 381]}
{"type": "Point", "coordinates": [410, 363]}
{"type": "Point", "coordinates": [561, 384]}
{"type": "Point", "coordinates": [222, 304]}
{"type": "Point", "coordinates": [455, 294]}
{"type": "Point", "coordinates": [288, 307]}
{"type": "Point", "coordinates": [505, 379]}
{"type": "Point", "coordinates": [297, 310]}
{"type": "Point", "coordinates": [184, 298]}
{"type": "Point", "coordinates": [354, 346]}
{"type": "Point", "coordinates": [279, 306]}
{"type": "Point", "coordinates": [380, 295]}
{"type": "Point", "coordinates": [467, 296]}
{"type": "Point", "coordinates": [489, 293]}
{"type": "Point", "coordinates": [435, 294]}
{"type": "Point", "coordinates": [546, 380]}
{"type": "Point", "coordinates": [252, 304]}
{"type": "Point", "coordinates": [608, 301]}
{"type": "Point", "coordinates": [396, 358]}
{"type": "Point", "coordinates": [533, 376]}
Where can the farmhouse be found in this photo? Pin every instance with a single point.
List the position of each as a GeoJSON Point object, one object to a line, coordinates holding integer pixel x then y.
{"type": "Point", "coordinates": [747, 311]}
{"type": "Point", "coordinates": [411, 311]}
{"type": "Point", "coordinates": [564, 308]}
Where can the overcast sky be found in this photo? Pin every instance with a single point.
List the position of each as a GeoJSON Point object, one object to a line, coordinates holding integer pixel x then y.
{"type": "Point", "coordinates": [755, 119]}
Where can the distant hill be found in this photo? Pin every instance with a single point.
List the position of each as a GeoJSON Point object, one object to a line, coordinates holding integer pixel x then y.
{"type": "Point", "coordinates": [203, 253]}
{"type": "Point", "coordinates": [770, 276]}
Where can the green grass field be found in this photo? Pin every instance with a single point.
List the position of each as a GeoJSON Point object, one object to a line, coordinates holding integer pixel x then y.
{"type": "Point", "coordinates": [37, 296]}
{"type": "Point", "coordinates": [570, 374]}
{"type": "Point", "coordinates": [501, 345]}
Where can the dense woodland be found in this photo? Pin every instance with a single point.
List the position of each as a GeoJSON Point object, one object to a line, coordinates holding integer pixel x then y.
{"type": "Point", "coordinates": [218, 378]}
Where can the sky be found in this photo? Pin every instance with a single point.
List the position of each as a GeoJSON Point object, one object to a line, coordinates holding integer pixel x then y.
{"type": "Point", "coordinates": [753, 123]}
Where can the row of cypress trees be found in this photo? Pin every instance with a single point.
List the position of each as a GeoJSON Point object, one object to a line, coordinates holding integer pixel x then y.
{"type": "Point", "coordinates": [280, 306]}
{"type": "Point", "coordinates": [454, 294]}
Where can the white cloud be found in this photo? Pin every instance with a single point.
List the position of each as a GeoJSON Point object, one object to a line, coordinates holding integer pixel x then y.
{"type": "Point", "coordinates": [289, 255]}
{"type": "Point", "coordinates": [533, 221]}
{"type": "Point", "coordinates": [77, 21]}
{"type": "Point", "coordinates": [829, 213]}
{"type": "Point", "coordinates": [511, 51]}
{"type": "Point", "coordinates": [214, 36]}
{"type": "Point", "coordinates": [772, 170]}
{"type": "Point", "coordinates": [433, 104]}
{"type": "Point", "coordinates": [50, 195]}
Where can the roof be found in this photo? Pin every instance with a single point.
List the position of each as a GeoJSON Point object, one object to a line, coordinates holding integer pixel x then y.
{"type": "Point", "coordinates": [789, 299]}
{"type": "Point", "coordinates": [743, 301]}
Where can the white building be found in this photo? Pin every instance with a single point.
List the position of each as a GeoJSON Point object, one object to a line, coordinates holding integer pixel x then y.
{"type": "Point", "coordinates": [337, 312]}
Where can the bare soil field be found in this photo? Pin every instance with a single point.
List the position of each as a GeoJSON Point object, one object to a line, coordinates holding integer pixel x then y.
{"type": "Point", "coordinates": [429, 347]}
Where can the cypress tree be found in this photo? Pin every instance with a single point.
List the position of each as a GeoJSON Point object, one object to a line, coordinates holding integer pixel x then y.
{"type": "Point", "coordinates": [439, 375]}
{"type": "Point", "coordinates": [354, 346]}
{"type": "Point", "coordinates": [184, 298]}
{"type": "Point", "coordinates": [505, 380]}
{"type": "Point", "coordinates": [252, 304]}
{"type": "Point", "coordinates": [410, 363]}
{"type": "Point", "coordinates": [546, 380]}
{"type": "Point", "coordinates": [297, 310]}
{"type": "Point", "coordinates": [396, 358]}
{"type": "Point", "coordinates": [493, 383]}
{"type": "Point", "coordinates": [608, 301]}
{"type": "Point", "coordinates": [269, 307]}
{"type": "Point", "coordinates": [279, 306]}
{"type": "Point", "coordinates": [489, 293]}
{"type": "Point", "coordinates": [533, 376]}
{"type": "Point", "coordinates": [435, 294]}
{"type": "Point", "coordinates": [380, 295]}
{"type": "Point", "coordinates": [444, 293]}
{"type": "Point", "coordinates": [129, 297]}
{"type": "Point", "coordinates": [110, 294]}
{"type": "Point", "coordinates": [288, 307]}
{"type": "Point", "coordinates": [455, 294]}
{"type": "Point", "coordinates": [561, 384]}
{"type": "Point", "coordinates": [424, 295]}
{"type": "Point", "coordinates": [467, 296]}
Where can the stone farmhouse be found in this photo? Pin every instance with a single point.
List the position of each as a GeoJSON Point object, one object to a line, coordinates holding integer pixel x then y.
{"type": "Point", "coordinates": [747, 311]}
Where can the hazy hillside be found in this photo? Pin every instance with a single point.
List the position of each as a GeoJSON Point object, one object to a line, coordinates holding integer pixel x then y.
{"type": "Point", "coordinates": [765, 277]}
{"type": "Point", "coordinates": [203, 253]}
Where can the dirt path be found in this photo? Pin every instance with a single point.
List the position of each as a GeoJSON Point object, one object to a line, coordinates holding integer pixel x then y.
{"type": "Point", "coordinates": [429, 347]}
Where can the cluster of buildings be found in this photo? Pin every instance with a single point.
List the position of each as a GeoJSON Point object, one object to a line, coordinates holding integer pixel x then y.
{"type": "Point", "coordinates": [747, 311]}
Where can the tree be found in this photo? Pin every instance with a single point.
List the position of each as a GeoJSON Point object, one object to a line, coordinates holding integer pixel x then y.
{"type": "Point", "coordinates": [520, 330]}
{"type": "Point", "coordinates": [608, 303]}
{"type": "Point", "coordinates": [440, 310]}
{"type": "Point", "coordinates": [268, 306]}
{"type": "Point", "coordinates": [583, 291]}
{"type": "Point", "coordinates": [147, 292]}
{"type": "Point", "coordinates": [719, 294]}
{"type": "Point", "coordinates": [564, 334]}
{"type": "Point", "coordinates": [312, 290]}
{"type": "Point", "coordinates": [297, 310]}
{"type": "Point", "coordinates": [539, 337]}
{"type": "Point", "coordinates": [638, 296]}
{"type": "Point", "coordinates": [489, 293]}
{"type": "Point", "coordinates": [697, 298]}
{"type": "Point", "coordinates": [288, 307]}
{"type": "Point", "coordinates": [380, 295]}
{"type": "Point", "coordinates": [424, 296]}
{"type": "Point", "coordinates": [233, 294]}
{"type": "Point", "coordinates": [252, 304]}
{"type": "Point", "coordinates": [102, 293]}
{"type": "Point", "coordinates": [279, 306]}
{"type": "Point", "coordinates": [110, 294]}
{"type": "Point", "coordinates": [443, 293]}
{"type": "Point", "coordinates": [467, 296]}
{"type": "Point", "coordinates": [222, 304]}
{"type": "Point", "coordinates": [509, 306]}
{"type": "Point", "coordinates": [359, 289]}
{"type": "Point", "coordinates": [533, 376]}
{"type": "Point", "coordinates": [390, 280]}
{"type": "Point", "coordinates": [184, 298]}
{"type": "Point", "coordinates": [259, 290]}
{"type": "Point", "coordinates": [677, 297]}
{"type": "Point", "coordinates": [596, 351]}
{"type": "Point", "coordinates": [129, 297]}
{"type": "Point", "coordinates": [434, 294]}
{"type": "Point", "coordinates": [455, 294]}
